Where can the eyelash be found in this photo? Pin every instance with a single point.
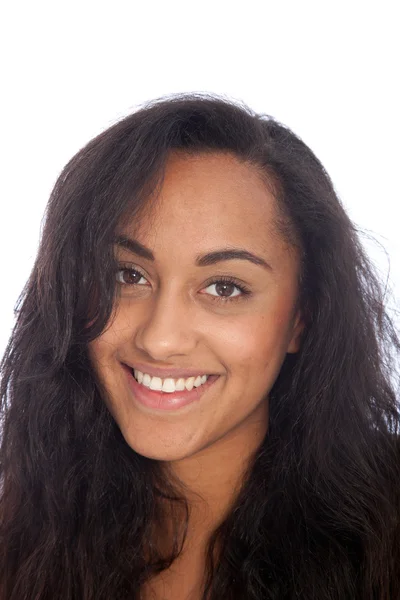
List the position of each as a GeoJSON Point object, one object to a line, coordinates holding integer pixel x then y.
{"type": "Point", "coordinates": [230, 281]}
{"type": "Point", "coordinates": [244, 291]}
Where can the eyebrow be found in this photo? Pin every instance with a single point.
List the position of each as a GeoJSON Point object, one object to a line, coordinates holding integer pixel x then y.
{"type": "Point", "coordinates": [204, 260]}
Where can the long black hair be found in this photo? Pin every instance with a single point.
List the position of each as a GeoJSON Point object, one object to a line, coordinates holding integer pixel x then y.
{"type": "Point", "coordinates": [317, 516]}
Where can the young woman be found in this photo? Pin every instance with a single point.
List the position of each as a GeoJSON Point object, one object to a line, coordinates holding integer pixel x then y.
{"type": "Point", "coordinates": [198, 397]}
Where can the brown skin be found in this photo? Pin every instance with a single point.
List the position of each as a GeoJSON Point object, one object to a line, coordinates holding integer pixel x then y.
{"type": "Point", "coordinates": [172, 317]}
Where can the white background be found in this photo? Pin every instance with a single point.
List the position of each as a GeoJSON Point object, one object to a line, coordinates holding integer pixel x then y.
{"type": "Point", "coordinates": [329, 70]}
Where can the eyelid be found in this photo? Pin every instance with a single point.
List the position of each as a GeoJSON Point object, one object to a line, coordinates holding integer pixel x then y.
{"type": "Point", "coordinates": [245, 291]}
{"type": "Point", "coordinates": [227, 279]}
{"type": "Point", "coordinates": [131, 267]}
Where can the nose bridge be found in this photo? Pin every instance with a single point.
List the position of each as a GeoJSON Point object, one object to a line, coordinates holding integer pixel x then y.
{"type": "Point", "coordinates": [167, 327]}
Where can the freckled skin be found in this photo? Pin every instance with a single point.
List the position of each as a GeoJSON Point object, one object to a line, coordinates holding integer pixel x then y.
{"type": "Point", "coordinates": [207, 202]}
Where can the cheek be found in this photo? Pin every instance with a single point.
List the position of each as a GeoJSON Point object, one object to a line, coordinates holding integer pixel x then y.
{"type": "Point", "coordinates": [103, 351]}
{"type": "Point", "coordinates": [257, 341]}
{"type": "Point", "coordinates": [117, 331]}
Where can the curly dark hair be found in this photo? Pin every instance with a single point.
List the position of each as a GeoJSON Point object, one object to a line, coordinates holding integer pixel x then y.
{"type": "Point", "coordinates": [317, 516]}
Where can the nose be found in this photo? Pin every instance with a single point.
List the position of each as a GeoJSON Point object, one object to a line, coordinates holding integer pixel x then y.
{"type": "Point", "coordinates": [167, 327]}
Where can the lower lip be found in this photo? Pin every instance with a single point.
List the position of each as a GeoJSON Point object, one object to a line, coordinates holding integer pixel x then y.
{"type": "Point", "coordinates": [163, 400]}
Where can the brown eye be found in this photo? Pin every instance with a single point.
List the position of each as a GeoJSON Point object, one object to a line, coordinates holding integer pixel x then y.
{"type": "Point", "coordinates": [225, 289]}
{"type": "Point", "coordinates": [130, 277]}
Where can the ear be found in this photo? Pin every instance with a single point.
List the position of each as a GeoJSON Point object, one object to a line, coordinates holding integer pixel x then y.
{"type": "Point", "coordinates": [297, 330]}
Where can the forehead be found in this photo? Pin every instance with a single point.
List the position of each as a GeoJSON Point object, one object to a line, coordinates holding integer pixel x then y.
{"type": "Point", "coordinates": [207, 201]}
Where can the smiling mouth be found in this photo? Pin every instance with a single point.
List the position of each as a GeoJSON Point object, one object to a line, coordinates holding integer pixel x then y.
{"type": "Point", "coordinates": [167, 394]}
{"type": "Point", "coordinates": [169, 385]}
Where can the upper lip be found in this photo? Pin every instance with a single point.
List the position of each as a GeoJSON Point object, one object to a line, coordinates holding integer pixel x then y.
{"type": "Point", "coordinates": [164, 373]}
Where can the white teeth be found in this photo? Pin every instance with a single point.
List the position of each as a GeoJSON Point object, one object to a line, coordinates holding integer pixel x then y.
{"type": "Point", "coordinates": [189, 383]}
{"type": "Point", "coordinates": [156, 384]}
{"type": "Point", "coordinates": [169, 385]}
{"type": "Point", "coordinates": [197, 381]}
{"type": "Point", "coordinates": [146, 380]}
{"type": "Point", "coordinates": [180, 385]}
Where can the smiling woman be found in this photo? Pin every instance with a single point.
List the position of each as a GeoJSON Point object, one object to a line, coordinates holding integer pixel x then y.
{"type": "Point", "coordinates": [199, 310]}
{"type": "Point", "coordinates": [198, 396]}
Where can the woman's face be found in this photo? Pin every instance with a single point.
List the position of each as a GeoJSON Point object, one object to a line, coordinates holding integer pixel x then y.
{"type": "Point", "coordinates": [174, 313]}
